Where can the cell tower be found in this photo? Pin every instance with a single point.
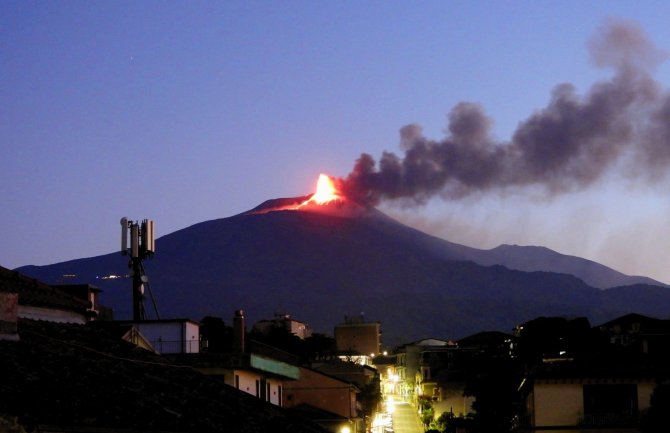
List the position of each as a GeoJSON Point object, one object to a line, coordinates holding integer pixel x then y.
{"type": "Point", "coordinates": [142, 246]}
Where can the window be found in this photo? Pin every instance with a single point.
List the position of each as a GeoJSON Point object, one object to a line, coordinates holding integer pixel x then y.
{"type": "Point", "coordinates": [426, 373]}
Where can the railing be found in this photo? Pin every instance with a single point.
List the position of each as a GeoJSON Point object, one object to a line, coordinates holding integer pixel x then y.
{"type": "Point", "coordinates": [176, 346]}
{"type": "Point", "coordinates": [523, 420]}
{"type": "Point", "coordinates": [620, 419]}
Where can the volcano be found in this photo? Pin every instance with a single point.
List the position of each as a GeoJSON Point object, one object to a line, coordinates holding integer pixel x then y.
{"type": "Point", "coordinates": [320, 261]}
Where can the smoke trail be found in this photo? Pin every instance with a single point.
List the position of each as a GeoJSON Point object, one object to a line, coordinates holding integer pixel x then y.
{"type": "Point", "coordinates": [564, 147]}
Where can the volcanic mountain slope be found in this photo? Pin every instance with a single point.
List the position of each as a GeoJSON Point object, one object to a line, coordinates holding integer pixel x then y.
{"type": "Point", "coordinates": [322, 262]}
{"type": "Point", "coordinates": [534, 258]}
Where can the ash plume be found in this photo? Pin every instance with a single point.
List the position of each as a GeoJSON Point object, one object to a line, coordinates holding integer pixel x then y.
{"type": "Point", "coordinates": [566, 146]}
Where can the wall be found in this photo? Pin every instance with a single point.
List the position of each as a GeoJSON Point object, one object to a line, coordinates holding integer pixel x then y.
{"type": "Point", "coordinates": [191, 338]}
{"type": "Point", "coordinates": [558, 404]}
{"type": "Point", "coordinates": [9, 307]}
{"type": "Point", "coordinates": [172, 336]}
{"type": "Point", "coordinates": [50, 315]}
{"type": "Point", "coordinates": [276, 391]}
{"type": "Point", "coordinates": [247, 383]}
{"type": "Point", "coordinates": [563, 404]}
{"type": "Point", "coordinates": [301, 330]}
{"type": "Point", "coordinates": [644, 391]}
{"type": "Point", "coordinates": [362, 338]}
{"type": "Point", "coordinates": [453, 400]}
{"type": "Point", "coordinates": [321, 391]}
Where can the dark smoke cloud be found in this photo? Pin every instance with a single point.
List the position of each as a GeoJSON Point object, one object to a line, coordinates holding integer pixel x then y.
{"type": "Point", "coordinates": [564, 147]}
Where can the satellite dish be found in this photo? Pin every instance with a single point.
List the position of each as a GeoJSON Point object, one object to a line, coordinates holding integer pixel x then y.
{"type": "Point", "coordinates": [144, 279]}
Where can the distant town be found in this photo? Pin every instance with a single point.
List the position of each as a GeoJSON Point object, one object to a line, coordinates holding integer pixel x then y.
{"type": "Point", "coordinates": [70, 367]}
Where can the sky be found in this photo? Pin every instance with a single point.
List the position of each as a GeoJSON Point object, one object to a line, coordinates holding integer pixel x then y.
{"type": "Point", "coordinates": [183, 112]}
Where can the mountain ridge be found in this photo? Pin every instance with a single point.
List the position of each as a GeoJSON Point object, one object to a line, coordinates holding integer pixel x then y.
{"type": "Point", "coordinates": [321, 266]}
{"type": "Point", "coordinates": [537, 258]}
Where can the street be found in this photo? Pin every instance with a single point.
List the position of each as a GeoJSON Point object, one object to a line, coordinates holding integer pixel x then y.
{"type": "Point", "coordinates": [405, 418]}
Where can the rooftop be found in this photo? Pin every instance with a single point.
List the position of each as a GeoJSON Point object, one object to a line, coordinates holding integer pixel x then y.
{"type": "Point", "coordinates": [38, 294]}
{"type": "Point", "coordinates": [82, 377]}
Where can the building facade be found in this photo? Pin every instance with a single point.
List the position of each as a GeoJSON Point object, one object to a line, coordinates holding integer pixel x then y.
{"type": "Point", "coordinates": [357, 337]}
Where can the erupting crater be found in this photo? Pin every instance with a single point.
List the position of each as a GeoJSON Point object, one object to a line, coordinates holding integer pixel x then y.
{"type": "Point", "coordinates": [327, 199]}
{"type": "Point", "coordinates": [326, 191]}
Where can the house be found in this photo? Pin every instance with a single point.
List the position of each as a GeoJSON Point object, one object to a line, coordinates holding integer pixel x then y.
{"type": "Point", "coordinates": [441, 378]}
{"type": "Point", "coordinates": [90, 293]}
{"type": "Point", "coordinates": [641, 333]}
{"type": "Point", "coordinates": [330, 401]}
{"type": "Point", "coordinates": [251, 367]}
{"type": "Point", "coordinates": [388, 376]}
{"type": "Point", "coordinates": [366, 378]}
{"type": "Point", "coordinates": [408, 363]}
{"type": "Point", "coordinates": [493, 343]}
{"type": "Point", "coordinates": [444, 371]}
{"type": "Point", "coordinates": [9, 316]}
{"type": "Point", "coordinates": [358, 338]}
{"type": "Point", "coordinates": [126, 331]}
{"type": "Point", "coordinates": [65, 377]}
{"type": "Point", "coordinates": [598, 379]}
{"type": "Point", "coordinates": [300, 329]}
{"type": "Point", "coordinates": [37, 300]}
{"type": "Point", "coordinates": [548, 338]}
{"type": "Point", "coordinates": [171, 335]}
{"type": "Point", "coordinates": [352, 372]}
{"type": "Point", "coordinates": [574, 397]}
{"type": "Point", "coordinates": [263, 377]}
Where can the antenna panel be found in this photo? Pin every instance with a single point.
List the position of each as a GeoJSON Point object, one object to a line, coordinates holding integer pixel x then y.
{"type": "Point", "coordinates": [148, 236]}
{"type": "Point", "coordinates": [134, 240]}
{"type": "Point", "coordinates": [151, 241]}
{"type": "Point", "coordinates": [124, 235]}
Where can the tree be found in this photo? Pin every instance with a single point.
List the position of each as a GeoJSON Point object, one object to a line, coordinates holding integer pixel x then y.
{"type": "Point", "coordinates": [493, 383]}
{"type": "Point", "coordinates": [427, 413]}
{"type": "Point", "coordinates": [657, 418]}
{"type": "Point", "coordinates": [219, 337]}
{"type": "Point", "coordinates": [318, 346]}
{"type": "Point", "coordinates": [369, 397]}
{"type": "Point", "coordinates": [441, 423]}
{"type": "Point", "coordinates": [10, 425]}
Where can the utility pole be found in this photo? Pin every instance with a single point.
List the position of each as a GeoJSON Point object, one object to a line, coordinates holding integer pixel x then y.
{"type": "Point", "coordinates": [142, 246]}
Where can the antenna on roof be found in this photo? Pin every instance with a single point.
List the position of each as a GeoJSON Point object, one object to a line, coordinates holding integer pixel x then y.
{"type": "Point", "coordinates": [142, 246]}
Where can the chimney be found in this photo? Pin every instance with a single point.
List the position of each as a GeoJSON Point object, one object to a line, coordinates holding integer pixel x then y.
{"type": "Point", "coordinates": [239, 331]}
{"type": "Point", "coordinates": [9, 308]}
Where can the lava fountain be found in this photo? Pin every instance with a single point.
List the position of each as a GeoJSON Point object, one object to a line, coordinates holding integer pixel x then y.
{"type": "Point", "coordinates": [326, 191]}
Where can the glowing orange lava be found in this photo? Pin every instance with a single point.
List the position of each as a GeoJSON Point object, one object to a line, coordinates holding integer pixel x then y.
{"type": "Point", "coordinates": [325, 190]}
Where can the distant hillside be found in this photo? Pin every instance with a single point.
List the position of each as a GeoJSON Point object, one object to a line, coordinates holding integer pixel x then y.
{"type": "Point", "coordinates": [320, 266]}
{"type": "Point", "coordinates": [530, 258]}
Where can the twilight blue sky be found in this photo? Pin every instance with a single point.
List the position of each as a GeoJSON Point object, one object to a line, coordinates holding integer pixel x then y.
{"type": "Point", "coordinates": [188, 111]}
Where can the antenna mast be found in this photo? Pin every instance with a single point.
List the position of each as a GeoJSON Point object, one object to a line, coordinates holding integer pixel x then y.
{"type": "Point", "coordinates": [142, 246]}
